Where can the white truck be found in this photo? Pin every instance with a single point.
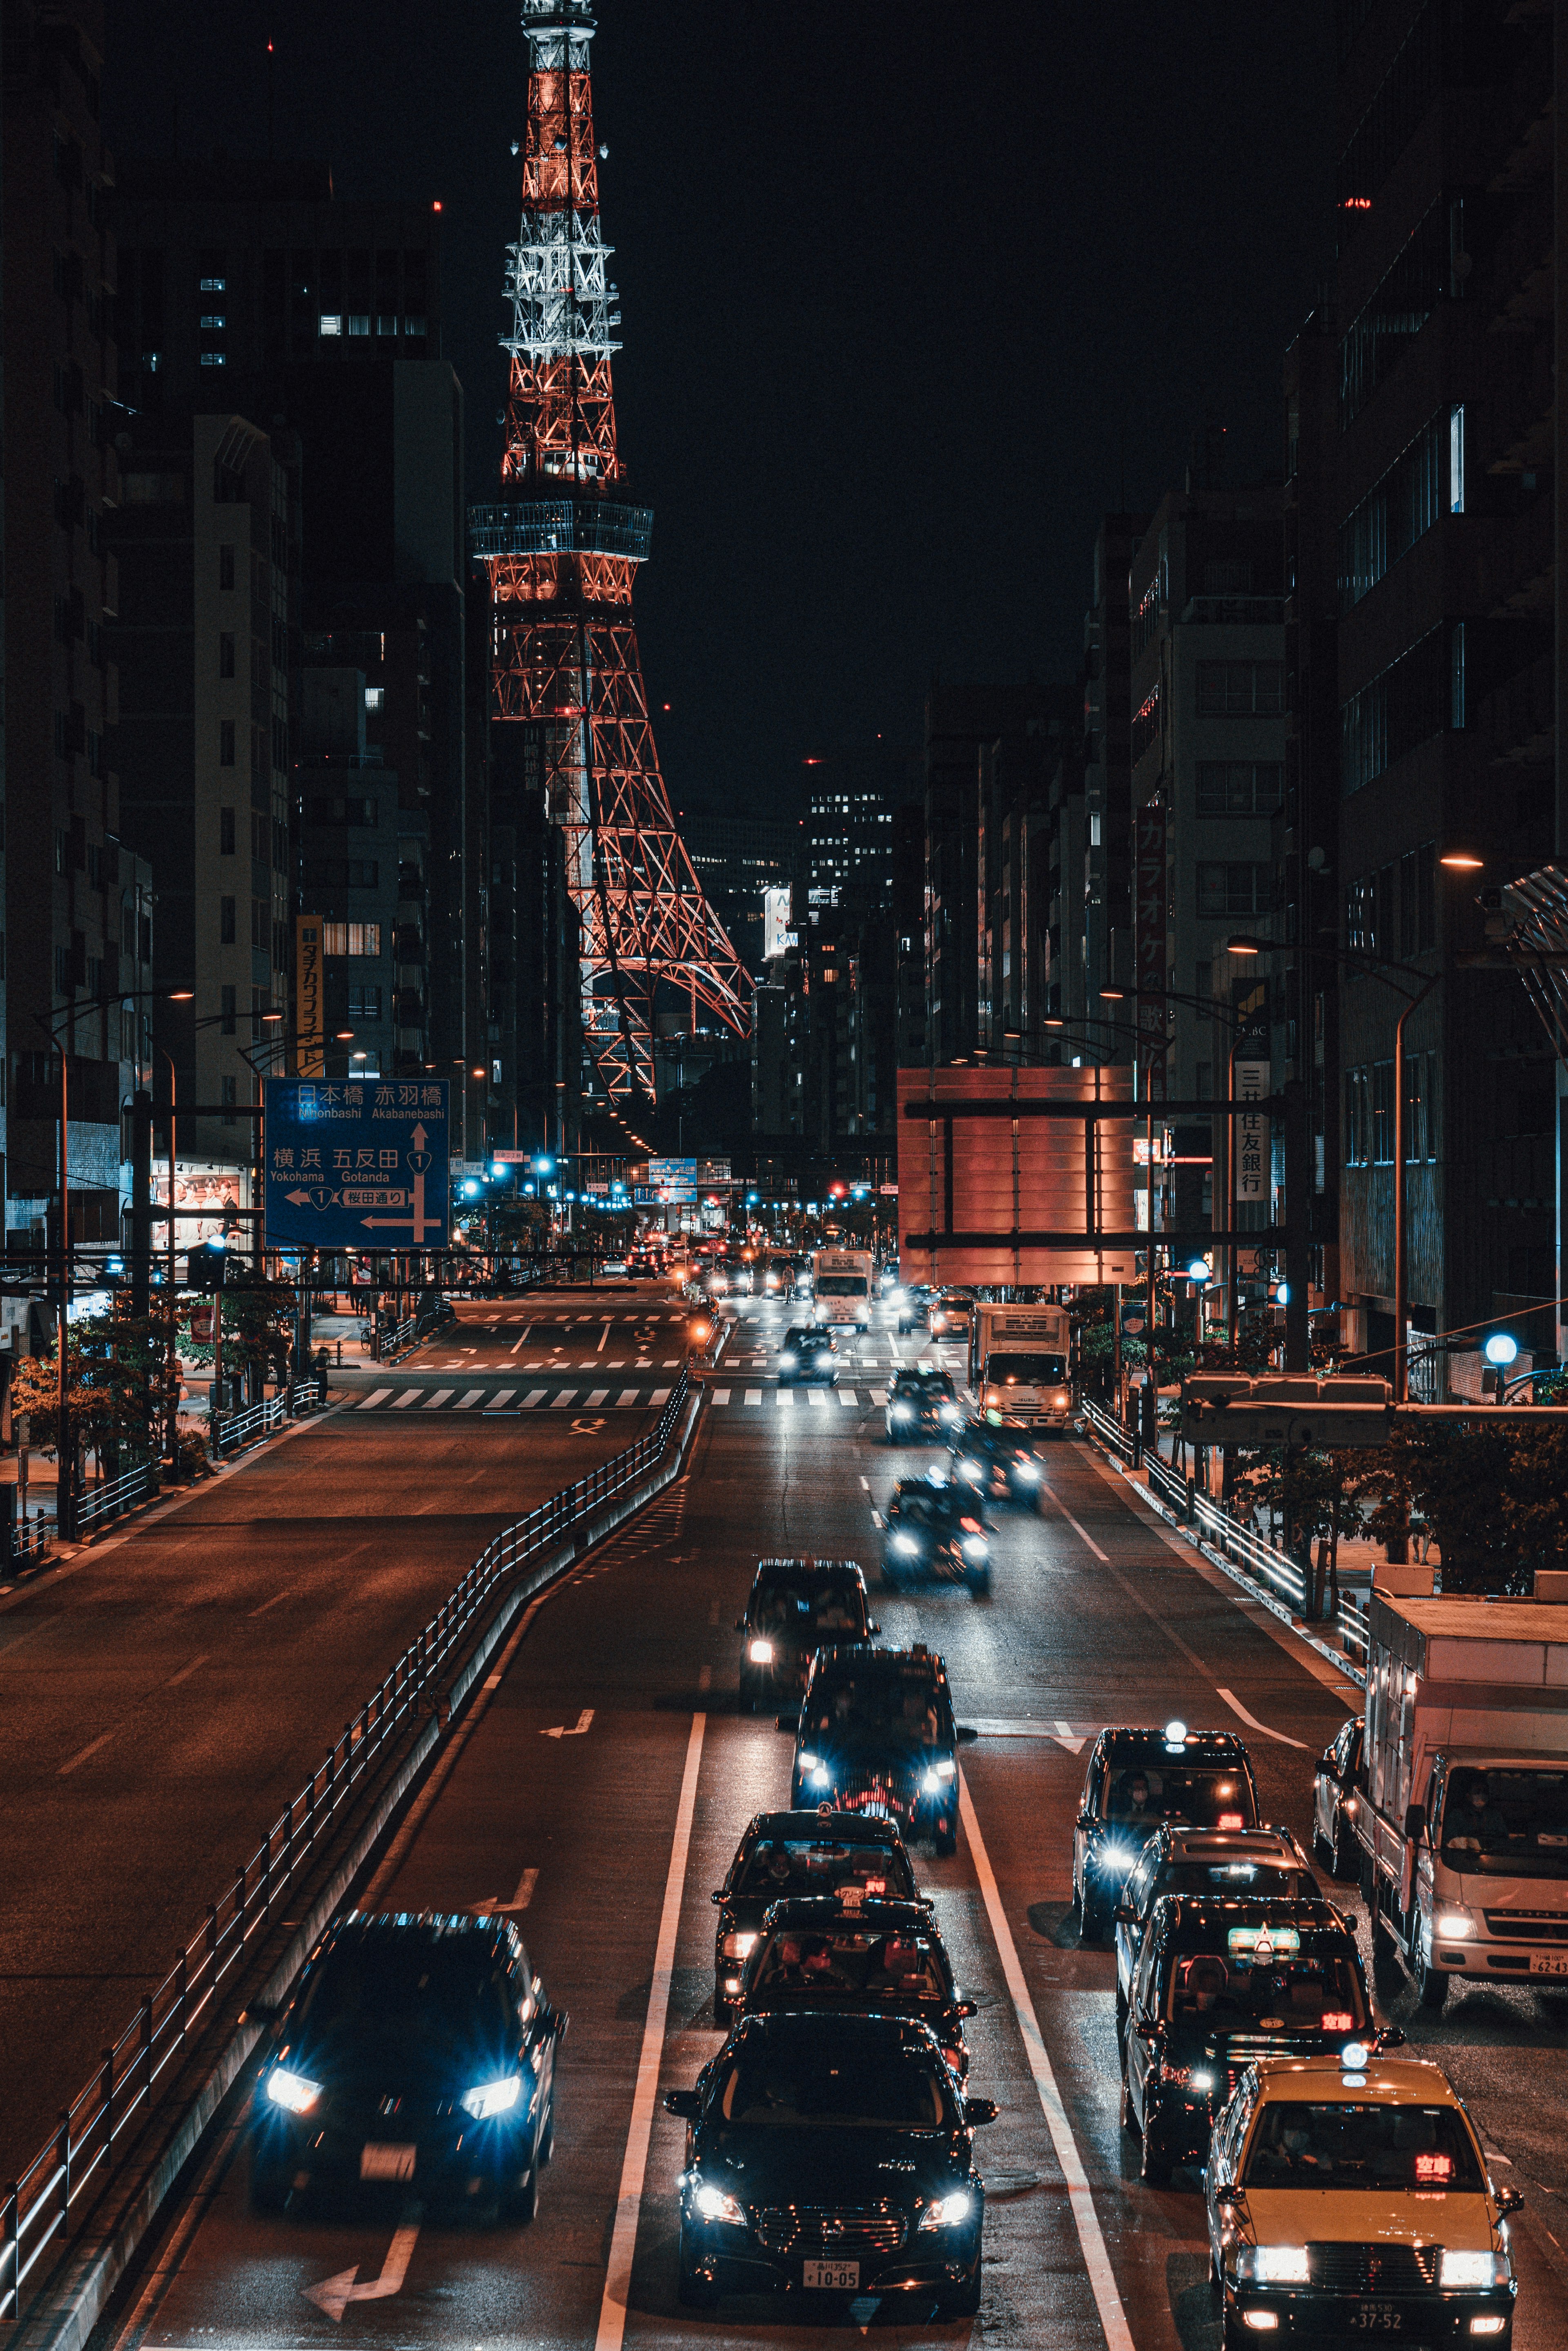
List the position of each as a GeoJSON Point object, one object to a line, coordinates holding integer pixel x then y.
{"type": "Point", "coordinates": [1018, 1364]}
{"type": "Point", "coordinates": [841, 1284]}
{"type": "Point", "coordinates": [1462, 1817]}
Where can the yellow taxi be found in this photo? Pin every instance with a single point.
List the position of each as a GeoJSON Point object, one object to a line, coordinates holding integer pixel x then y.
{"type": "Point", "coordinates": [1349, 2200]}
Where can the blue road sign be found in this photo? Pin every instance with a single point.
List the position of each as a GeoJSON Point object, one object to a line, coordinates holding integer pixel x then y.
{"type": "Point", "coordinates": [356, 1162]}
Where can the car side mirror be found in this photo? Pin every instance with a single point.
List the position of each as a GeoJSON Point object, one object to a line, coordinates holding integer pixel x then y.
{"type": "Point", "coordinates": [1391, 2037]}
{"type": "Point", "coordinates": [1125, 1912]}
{"type": "Point", "coordinates": [872, 1629]}
{"type": "Point", "coordinates": [979, 2110]}
{"type": "Point", "coordinates": [968, 2008]}
{"type": "Point", "coordinates": [1227, 2198]}
{"type": "Point", "coordinates": [716, 1896]}
{"type": "Point", "coordinates": [740, 1624]}
{"type": "Point", "coordinates": [265, 2011]}
{"type": "Point", "coordinates": [684, 2103]}
{"type": "Point", "coordinates": [1415, 1820]}
{"type": "Point", "coordinates": [1350, 1922]}
{"type": "Point", "coordinates": [1507, 2199]}
{"type": "Point", "coordinates": [1084, 1821]}
{"type": "Point", "coordinates": [786, 1722]}
{"type": "Point", "coordinates": [967, 1734]}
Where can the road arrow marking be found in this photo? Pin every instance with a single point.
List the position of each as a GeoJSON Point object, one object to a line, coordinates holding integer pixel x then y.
{"type": "Point", "coordinates": [334, 2293]}
{"type": "Point", "coordinates": [1064, 1734]}
{"type": "Point", "coordinates": [561, 1731]}
{"type": "Point", "coordinates": [491, 1907]}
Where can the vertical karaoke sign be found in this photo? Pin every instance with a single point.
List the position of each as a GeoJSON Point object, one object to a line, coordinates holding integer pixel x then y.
{"type": "Point", "coordinates": [1150, 927]}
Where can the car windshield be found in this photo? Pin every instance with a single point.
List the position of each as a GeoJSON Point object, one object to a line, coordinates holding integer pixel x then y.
{"type": "Point", "coordinates": [898, 1966]}
{"type": "Point", "coordinates": [937, 1383]}
{"type": "Point", "coordinates": [1273, 1878]}
{"type": "Point", "coordinates": [1271, 1978]}
{"type": "Point", "coordinates": [1025, 1371]}
{"type": "Point", "coordinates": [778, 1867]}
{"type": "Point", "coordinates": [415, 1990]}
{"type": "Point", "coordinates": [1215, 1797]}
{"type": "Point", "coordinates": [882, 1705]}
{"type": "Point", "coordinates": [798, 2086]}
{"type": "Point", "coordinates": [841, 1285]}
{"type": "Point", "coordinates": [807, 1607]}
{"type": "Point", "coordinates": [1507, 1822]}
{"type": "Point", "coordinates": [1342, 2144]}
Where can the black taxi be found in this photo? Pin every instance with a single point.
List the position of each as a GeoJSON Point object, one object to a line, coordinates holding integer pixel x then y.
{"type": "Point", "coordinates": [796, 1605]}
{"type": "Point", "coordinates": [858, 1955]}
{"type": "Point", "coordinates": [817, 1854]}
{"type": "Point", "coordinates": [876, 1734]}
{"type": "Point", "coordinates": [1139, 1778]}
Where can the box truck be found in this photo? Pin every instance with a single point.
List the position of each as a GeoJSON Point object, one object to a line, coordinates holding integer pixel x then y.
{"type": "Point", "coordinates": [1462, 1813]}
{"type": "Point", "coordinates": [841, 1284]}
{"type": "Point", "coordinates": [1018, 1364]}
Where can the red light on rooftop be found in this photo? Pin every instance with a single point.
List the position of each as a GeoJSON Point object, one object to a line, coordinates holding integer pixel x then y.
{"type": "Point", "coordinates": [436, 206]}
{"type": "Point", "coordinates": [1355, 204]}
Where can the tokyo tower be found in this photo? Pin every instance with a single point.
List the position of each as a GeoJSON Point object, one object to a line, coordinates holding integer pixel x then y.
{"type": "Point", "coordinates": [562, 552]}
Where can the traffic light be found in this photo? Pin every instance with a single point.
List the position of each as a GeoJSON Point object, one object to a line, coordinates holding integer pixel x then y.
{"type": "Point", "coordinates": [204, 1267]}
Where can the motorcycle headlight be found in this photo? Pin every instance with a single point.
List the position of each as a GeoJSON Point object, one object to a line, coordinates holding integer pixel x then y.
{"type": "Point", "coordinates": [1271, 2264]}
{"type": "Point", "coordinates": [739, 1946]}
{"type": "Point", "coordinates": [930, 1784]}
{"type": "Point", "coordinates": [819, 1775]}
{"type": "Point", "coordinates": [492, 2098]}
{"type": "Point", "coordinates": [906, 1545]}
{"type": "Point", "coordinates": [947, 2212]}
{"type": "Point", "coordinates": [717, 2204]}
{"type": "Point", "coordinates": [948, 1414]}
{"type": "Point", "coordinates": [1472, 2269]}
{"type": "Point", "coordinates": [292, 2092]}
{"type": "Point", "coordinates": [761, 1653]}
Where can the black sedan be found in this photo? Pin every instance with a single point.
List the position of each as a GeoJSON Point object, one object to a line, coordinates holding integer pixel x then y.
{"type": "Point", "coordinates": [805, 1853]}
{"type": "Point", "coordinates": [417, 2054]}
{"type": "Point", "coordinates": [1221, 1984]}
{"type": "Point", "coordinates": [876, 1734]}
{"type": "Point", "coordinates": [997, 1459]}
{"type": "Point", "coordinates": [858, 1957]}
{"type": "Point", "coordinates": [795, 1605]}
{"type": "Point", "coordinates": [1138, 1778]}
{"type": "Point", "coordinates": [1338, 1792]}
{"type": "Point", "coordinates": [935, 1528]}
{"type": "Point", "coordinates": [807, 1353]}
{"type": "Point", "coordinates": [830, 2157]}
{"type": "Point", "coordinates": [922, 1404]}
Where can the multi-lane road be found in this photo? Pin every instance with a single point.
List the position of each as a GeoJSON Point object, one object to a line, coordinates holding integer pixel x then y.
{"type": "Point", "coordinates": [598, 1793]}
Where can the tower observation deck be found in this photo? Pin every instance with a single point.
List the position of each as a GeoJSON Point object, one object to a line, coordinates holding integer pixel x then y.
{"type": "Point", "coordinates": [562, 548]}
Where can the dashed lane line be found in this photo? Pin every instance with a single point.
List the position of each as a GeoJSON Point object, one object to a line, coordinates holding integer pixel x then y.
{"type": "Point", "coordinates": [1252, 1723]}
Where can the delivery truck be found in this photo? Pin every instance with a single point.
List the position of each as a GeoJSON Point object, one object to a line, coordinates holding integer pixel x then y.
{"type": "Point", "coordinates": [1462, 1812]}
{"type": "Point", "coordinates": [1018, 1364]}
{"type": "Point", "coordinates": [841, 1284]}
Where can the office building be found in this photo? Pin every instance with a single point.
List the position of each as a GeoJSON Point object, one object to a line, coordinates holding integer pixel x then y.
{"type": "Point", "coordinates": [1107, 951]}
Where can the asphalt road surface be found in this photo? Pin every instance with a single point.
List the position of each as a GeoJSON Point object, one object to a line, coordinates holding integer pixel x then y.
{"type": "Point", "coordinates": [165, 1693]}
{"type": "Point", "coordinates": [599, 1793]}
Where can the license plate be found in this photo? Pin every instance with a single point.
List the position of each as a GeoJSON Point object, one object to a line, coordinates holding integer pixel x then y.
{"type": "Point", "coordinates": [1549, 1963]}
{"type": "Point", "coordinates": [1376, 2318]}
{"type": "Point", "coordinates": [833, 2277]}
{"type": "Point", "coordinates": [379, 2161]}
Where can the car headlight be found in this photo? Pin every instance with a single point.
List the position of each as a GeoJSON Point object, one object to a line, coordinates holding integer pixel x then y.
{"type": "Point", "coordinates": [808, 1762]}
{"type": "Point", "coordinates": [1271, 2264]}
{"type": "Point", "coordinates": [1200, 2079]}
{"type": "Point", "coordinates": [292, 2091]}
{"type": "Point", "coordinates": [1059, 1403]}
{"type": "Point", "coordinates": [1116, 1858]}
{"type": "Point", "coordinates": [1455, 1926]}
{"type": "Point", "coordinates": [717, 2204]}
{"type": "Point", "coordinates": [947, 2212]}
{"type": "Point", "coordinates": [1027, 1470]}
{"type": "Point", "coordinates": [761, 1653]}
{"type": "Point", "coordinates": [819, 1774]}
{"type": "Point", "coordinates": [975, 1547]}
{"type": "Point", "coordinates": [901, 1410]}
{"type": "Point", "coordinates": [970, 1469]}
{"type": "Point", "coordinates": [787, 1363]}
{"type": "Point", "coordinates": [1472, 2269]}
{"type": "Point", "coordinates": [906, 1545]}
{"type": "Point", "coordinates": [493, 2098]}
{"type": "Point", "coordinates": [740, 1946]}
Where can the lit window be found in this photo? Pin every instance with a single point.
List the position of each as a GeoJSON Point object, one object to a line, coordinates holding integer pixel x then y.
{"type": "Point", "coordinates": [414, 326]}
{"type": "Point", "coordinates": [373, 696]}
{"type": "Point", "coordinates": [357, 322]}
{"type": "Point", "coordinates": [385, 326]}
{"type": "Point", "coordinates": [331, 322]}
{"type": "Point", "coordinates": [214, 323]}
{"type": "Point", "coordinates": [213, 359]}
{"type": "Point", "coordinates": [1457, 459]}
{"type": "Point", "coordinates": [214, 284]}
{"type": "Point", "coordinates": [351, 938]}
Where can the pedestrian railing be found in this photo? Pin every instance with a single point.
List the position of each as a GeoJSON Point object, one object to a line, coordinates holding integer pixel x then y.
{"type": "Point", "coordinates": [399, 1337]}
{"type": "Point", "coordinates": [79, 2156]}
{"type": "Point", "coordinates": [259, 1420]}
{"type": "Point", "coordinates": [98, 1504]}
{"type": "Point", "coordinates": [1111, 1432]}
{"type": "Point", "coordinates": [29, 1537]}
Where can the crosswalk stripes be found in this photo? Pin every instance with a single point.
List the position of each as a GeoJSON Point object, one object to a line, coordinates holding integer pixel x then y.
{"type": "Point", "coordinates": [501, 1399]}
{"type": "Point", "coordinates": [466, 1403]}
{"type": "Point", "coordinates": [441, 1396]}
{"type": "Point", "coordinates": [549, 1397]}
{"type": "Point", "coordinates": [533, 1396]}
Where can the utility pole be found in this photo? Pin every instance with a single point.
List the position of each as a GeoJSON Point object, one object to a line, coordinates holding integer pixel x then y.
{"type": "Point", "coordinates": [1298, 1196]}
{"type": "Point", "coordinates": [141, 1204]}
{"type": "Point", "coordinates": [64, 1448]}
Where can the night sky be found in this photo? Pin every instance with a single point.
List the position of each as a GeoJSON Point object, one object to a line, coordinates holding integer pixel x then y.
{"type": "Point", "coordinates": [909, 295]}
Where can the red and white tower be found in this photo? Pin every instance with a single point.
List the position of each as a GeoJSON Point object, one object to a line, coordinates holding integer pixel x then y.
{"type": "Point", "coordinates": [562, 552]}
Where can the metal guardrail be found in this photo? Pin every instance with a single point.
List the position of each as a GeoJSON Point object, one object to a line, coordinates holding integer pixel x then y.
{"type": "Point", "coordinates": [259, 1420]}
{"type": "Point", "coordinates": [1112, 1432]}
{"type": "Point", "coordinates": [393, 1341]}
{"type": "Point", "coordinates": [28, 1537]}
{"type": "Point", "coordinates": [79, 2156]}
{"type": "Point", "coordinates": [101, 1503]}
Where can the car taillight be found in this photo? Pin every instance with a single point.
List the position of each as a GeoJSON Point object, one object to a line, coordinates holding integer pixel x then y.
{"type": "Point", "coordinates": [1230, 1821]}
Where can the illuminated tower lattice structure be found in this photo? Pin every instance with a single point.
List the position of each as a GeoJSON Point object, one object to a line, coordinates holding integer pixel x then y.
{"type": "Point", "coordinates": [562, 552]}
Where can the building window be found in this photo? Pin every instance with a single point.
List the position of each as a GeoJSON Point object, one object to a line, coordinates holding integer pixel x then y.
{"type": "Point", "coordinates": [386, 326]}
{"type": "Point", "coordinates": [226, 742]}
{"type": "Point", "coordinates": [351, 938]}
{"type": "Point", "coordinates": [1457, 459]}
{"type": "Point", "coordinates": [227, 1096]}
{"type": "Point", "coordinates": [357, 322]}
{"type": "Point", "coordinates": [414, 326]}
{"type": "Point", "coordinates": [364, 1003]}
{"type": "Point", "coordinates": [331, 322]}
{"type": "Point", "coordinates": [374, 696]}
{"type": "Point", "coordinates": [1400, 309]}
{"type": "Point", "coordinates": [363, 874]}
{"type": "Point", "coordinates": [227, 1001]}
{"type": "Point", "coordinates": [1383, 1113]}
{"type": "Point", "coordinates": [226, 832]}
{"type": "Point", "coordinates": [215, 358]}
{"type": "Point", "coordinates": [225, 653]}
{"type": "Point", "coordinates": [214, 323]}
{"type": "Point", "coordinates": [1241, 689]}
{"type": "Point", "coordinates": [1239, 786]}
{"type": "Point", "coordinates": [1398, 510]}
{"type": "Point", "coordinates": [225, 567]}
{"type": "Point", "coordinates": [1235, 888]}
{"type": "Point", "coordinates": [225, 922]}
{"type": "Point", "coordinates": [1419, 695]}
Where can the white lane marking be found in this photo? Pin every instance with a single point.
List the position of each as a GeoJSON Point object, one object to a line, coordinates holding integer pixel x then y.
{"type": "Point", "coordinates": [512, 1349]}
{"type": "Point", "coordinates": [815, 1396]}
{"type": "Point", "coordinates": [786, 1400]}
{"type": "Point", "coordinates": [660, 1396]}
{"type": "Point", "coordinates": [465, 1402]}
{"type": "Point", "coordinates": [865, 1485]}
{"type": "Point", "coordinates": [82, 1753]}
{"type": "Point", "coordinates": [491, 1908]}
{"type": "Point", "coordinates": [847, 1397]}
{"type": "Point", "coordinates": [721, 1396]}
{"type": "Point", "coordinates": [671, 1362]}
{"type": "Point", "coordinates": [615, 1364]}
{"type": "Point", "coordinates": [878, 1395]}
{"type": "Point", "coordinates": [754, 1396]}
{"type": "Point", "coordinates": [333, 2293]}
{"type": "Point", "coordinates": [583, 1722]}
{"type": "Point", "coordinates": [185, 1672]}
{"type": "Point", "coordinates": [597, 1395]}
{"type": "Point", "coordinates": [501, 1396]}
{"type": "Point", "coordinates": [627, 1395]}
{"type": "Point", "coordinates": [269, 1604]}
{"type": "Point", "coordinates": [399, 1404]}
{"type": "Point", "coordinates": [440, 1396]}
{"type": "Point", "coordinates": [604, 1334]}
{"type": "Point", "coordinates": [643, 1364]}
{"type": "Point", "coordinates": [634, 2169]}
{"type": "Point", "coordinates": [376, 1395]}
{"type": "Point", "coordinates": [1077, 1530]}
{"type": "Point", "coordinates": [1096, 2261]}
{"type": "Point", "coordinates": [533, 1396]}
{"type": "Point", "coordinates": [1252, 1723]}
